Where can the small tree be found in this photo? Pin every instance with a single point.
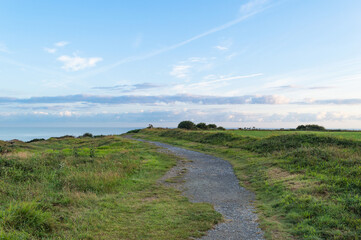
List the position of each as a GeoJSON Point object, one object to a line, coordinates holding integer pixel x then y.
{"type": "Point", "coordinates": [87, 135]}
{"type": "Point", "coordinates": [187, 125]}
{"type": "Point", "coordinates": [221, 128]}
{"type": "Point", "coordinates": [212, 126]}
{"type": "Point", "coordinates": [202, 126]}
{"type": "Point", "coordinates": [310, 127]}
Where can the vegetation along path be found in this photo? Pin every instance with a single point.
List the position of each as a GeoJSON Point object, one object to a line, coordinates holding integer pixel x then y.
{"type": "Point", "coordinates": [211, 179]}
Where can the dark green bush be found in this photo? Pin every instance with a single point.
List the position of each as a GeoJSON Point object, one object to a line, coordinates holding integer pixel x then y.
{"type": "Point", "coordinates": [187, 125]}
{"type": "Point", "coordinates": [310, 127]}
{"type": "Point", "coordinates": [87, 135]}
{"type": "Point", "coordinates": [202, 126]}
{"type": "Point", "coordinates": [221, 128]}
{"type": "Point", "coordinates": [212, 126]}
{"type": "Point", "coordinates": [36, 140]}
{"type": "Point", "coordinates": [134, 131]}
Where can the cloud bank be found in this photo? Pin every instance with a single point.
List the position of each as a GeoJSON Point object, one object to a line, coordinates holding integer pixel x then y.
{"type": "Point", "coordinates": [133, 99]}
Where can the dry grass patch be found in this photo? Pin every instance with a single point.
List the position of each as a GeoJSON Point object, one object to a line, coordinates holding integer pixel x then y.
{"type": "Point", "coordinates": [278, 175]}
{"type": "Point", "coordinates": [21, 155]}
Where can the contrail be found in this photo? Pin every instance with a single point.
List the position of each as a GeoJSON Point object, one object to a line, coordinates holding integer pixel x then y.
{"type": "Point", "coordinates": [175, 46]}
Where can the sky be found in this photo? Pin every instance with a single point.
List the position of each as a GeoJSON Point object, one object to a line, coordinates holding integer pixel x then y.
{"type": "Point", "coordinates": [237, 63]}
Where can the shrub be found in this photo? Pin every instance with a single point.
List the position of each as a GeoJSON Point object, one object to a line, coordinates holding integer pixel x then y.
{"type": "Point", "coordinates": [212, 126]}
{"type": "Point", "coordinates": [187, 125]}
{"type": "Point", "coordinates": [310, 127]}
{"type": "Point", "coordinates": [87, 135]}
{"type": "Point", "coordinates": [202, 126]}
{"type": "Point", "coordinates": [221, 128]}
{"type": "Point", "coordinates": [134, 131]}
{"type": "Point", "coordinates": [63, 137]}
{"type": "Point", "coordinates": [36, 140]}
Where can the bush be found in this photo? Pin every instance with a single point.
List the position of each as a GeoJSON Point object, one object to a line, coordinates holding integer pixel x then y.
{"type": "Point", "coordinates": [65, 136]}
{"type": "Point", "coordinates": [221, 128]}
{"type": "Point", "coordinates": [212, 126]}
{"type": "Point", "coordinates": [310, 127]}
{"type": "Point", "coordinates": [87, 135]}
{"type": "Point", "coordinates": [134, 131]}
{"type": "Point", "coordinates": [187, 125]}
{"type": "Point", "coordinates": [36, 140]}
{"type": "Point", "coordinates": [202, 126]}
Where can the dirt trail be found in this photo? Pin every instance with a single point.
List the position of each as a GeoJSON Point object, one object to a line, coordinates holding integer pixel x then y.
{"type": "Point", "coordinates": [212, 180]}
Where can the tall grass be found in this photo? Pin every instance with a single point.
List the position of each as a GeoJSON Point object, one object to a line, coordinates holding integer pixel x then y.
{"type": "Point", "coordinates": [93, 188]}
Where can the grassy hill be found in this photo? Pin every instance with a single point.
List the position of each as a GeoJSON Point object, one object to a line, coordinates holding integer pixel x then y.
{"type": "Point", "coordinates": [308, 184]}
{"type": "Point", "coordinates": [93, 188]}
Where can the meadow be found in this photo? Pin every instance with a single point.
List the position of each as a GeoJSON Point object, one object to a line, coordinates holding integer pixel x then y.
{"type": "Point", "coordinates": [354, 135]}
{"type": "Point", "coordinates": [93, 188]}
{"type": "Point", "coordinates": [307, 184]}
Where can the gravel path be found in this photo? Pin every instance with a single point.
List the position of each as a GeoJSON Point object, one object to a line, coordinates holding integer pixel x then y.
{"type": "Point", "coordinates": [211, 179]}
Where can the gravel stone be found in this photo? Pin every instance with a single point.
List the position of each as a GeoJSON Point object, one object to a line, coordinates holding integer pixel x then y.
{"type": "Point", "coordinates": [212, 180]}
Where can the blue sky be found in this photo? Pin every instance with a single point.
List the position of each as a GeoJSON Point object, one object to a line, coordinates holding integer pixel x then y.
{"type": "Point", "coordinates": [263, 63]}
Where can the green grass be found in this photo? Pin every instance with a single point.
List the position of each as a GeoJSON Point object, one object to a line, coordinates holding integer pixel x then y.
{"type": "Point", "coordinates": [354, 135]}
{"type": "Point", "coordinates": [308, 185]}
{"type": "Point", "coordinates": [93, 188]}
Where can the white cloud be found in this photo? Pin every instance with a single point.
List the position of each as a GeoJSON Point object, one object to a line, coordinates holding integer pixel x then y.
{"type": "Point", "coordinates": [66, 114]}
{"type": "Point", "coordinates": [188, 68]}
{"type": "Point", "coordinates": [50, 50]}
{"type": "Point", "coordinates": [180, 71]}
{"type": "Point", "coordinates": [222, 79]}
{"type": "Point", "coordinates": [77, 63]}
{"type": "Point", "coordinates": [252, 5]}
{"type": "Point", "coordinates": [61, 44]}
{"type": "Point", "coordinates": [221, 48]}
{"type": "Point", "coordinates": [230, 56]}
{"type": "Point", "coordinates": [40, 113]}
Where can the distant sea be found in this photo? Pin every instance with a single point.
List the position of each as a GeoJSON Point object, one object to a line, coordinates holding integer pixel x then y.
{"type": "Point", "coordinates": [29, 133]}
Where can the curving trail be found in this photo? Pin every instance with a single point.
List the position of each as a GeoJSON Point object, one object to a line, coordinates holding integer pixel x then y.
{"type": "Point", "coordinates": [212, 180]}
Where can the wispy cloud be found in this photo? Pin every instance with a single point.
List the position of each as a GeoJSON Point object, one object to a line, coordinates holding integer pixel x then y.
{"type": "Point", "coordinates": [50, 50]}
{"type": "Point", "coordinates": [61, 44]}
{"type": "Point", "coordinates": [296, 87]}
{"type": "Point", "coordinates": [224, 45]}
{"type": "Point", "coordinates": [129, 88]}
{"type": "Point", "coordinates": [253, 5]}
{"type": "Point", "coordinates": [76, 63]}
{"type": "Point", "coordinates": [351, 101]}
{"type": "Point", "coordinates": [221, 48]}
{"type": "Point", "coordinates": [180, 98]}
{"type": "Point", "coordinates": [186, 69]}
{"type": "Point", "coordinates": [224, 79]}
{"type": "Point", "coordinates": [131, 99]}
{"type": "Point", "coordinates": [180, 44]}
{"type": "Point", "coordinates": [180, 71]}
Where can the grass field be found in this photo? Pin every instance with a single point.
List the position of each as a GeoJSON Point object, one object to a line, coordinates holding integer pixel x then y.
{"type": "Point", "coordinates": [308, 185]}
{"type": "Point", "coordinates": [93, 188]}
{"type": "Point", "coordinates": [268, 133]}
